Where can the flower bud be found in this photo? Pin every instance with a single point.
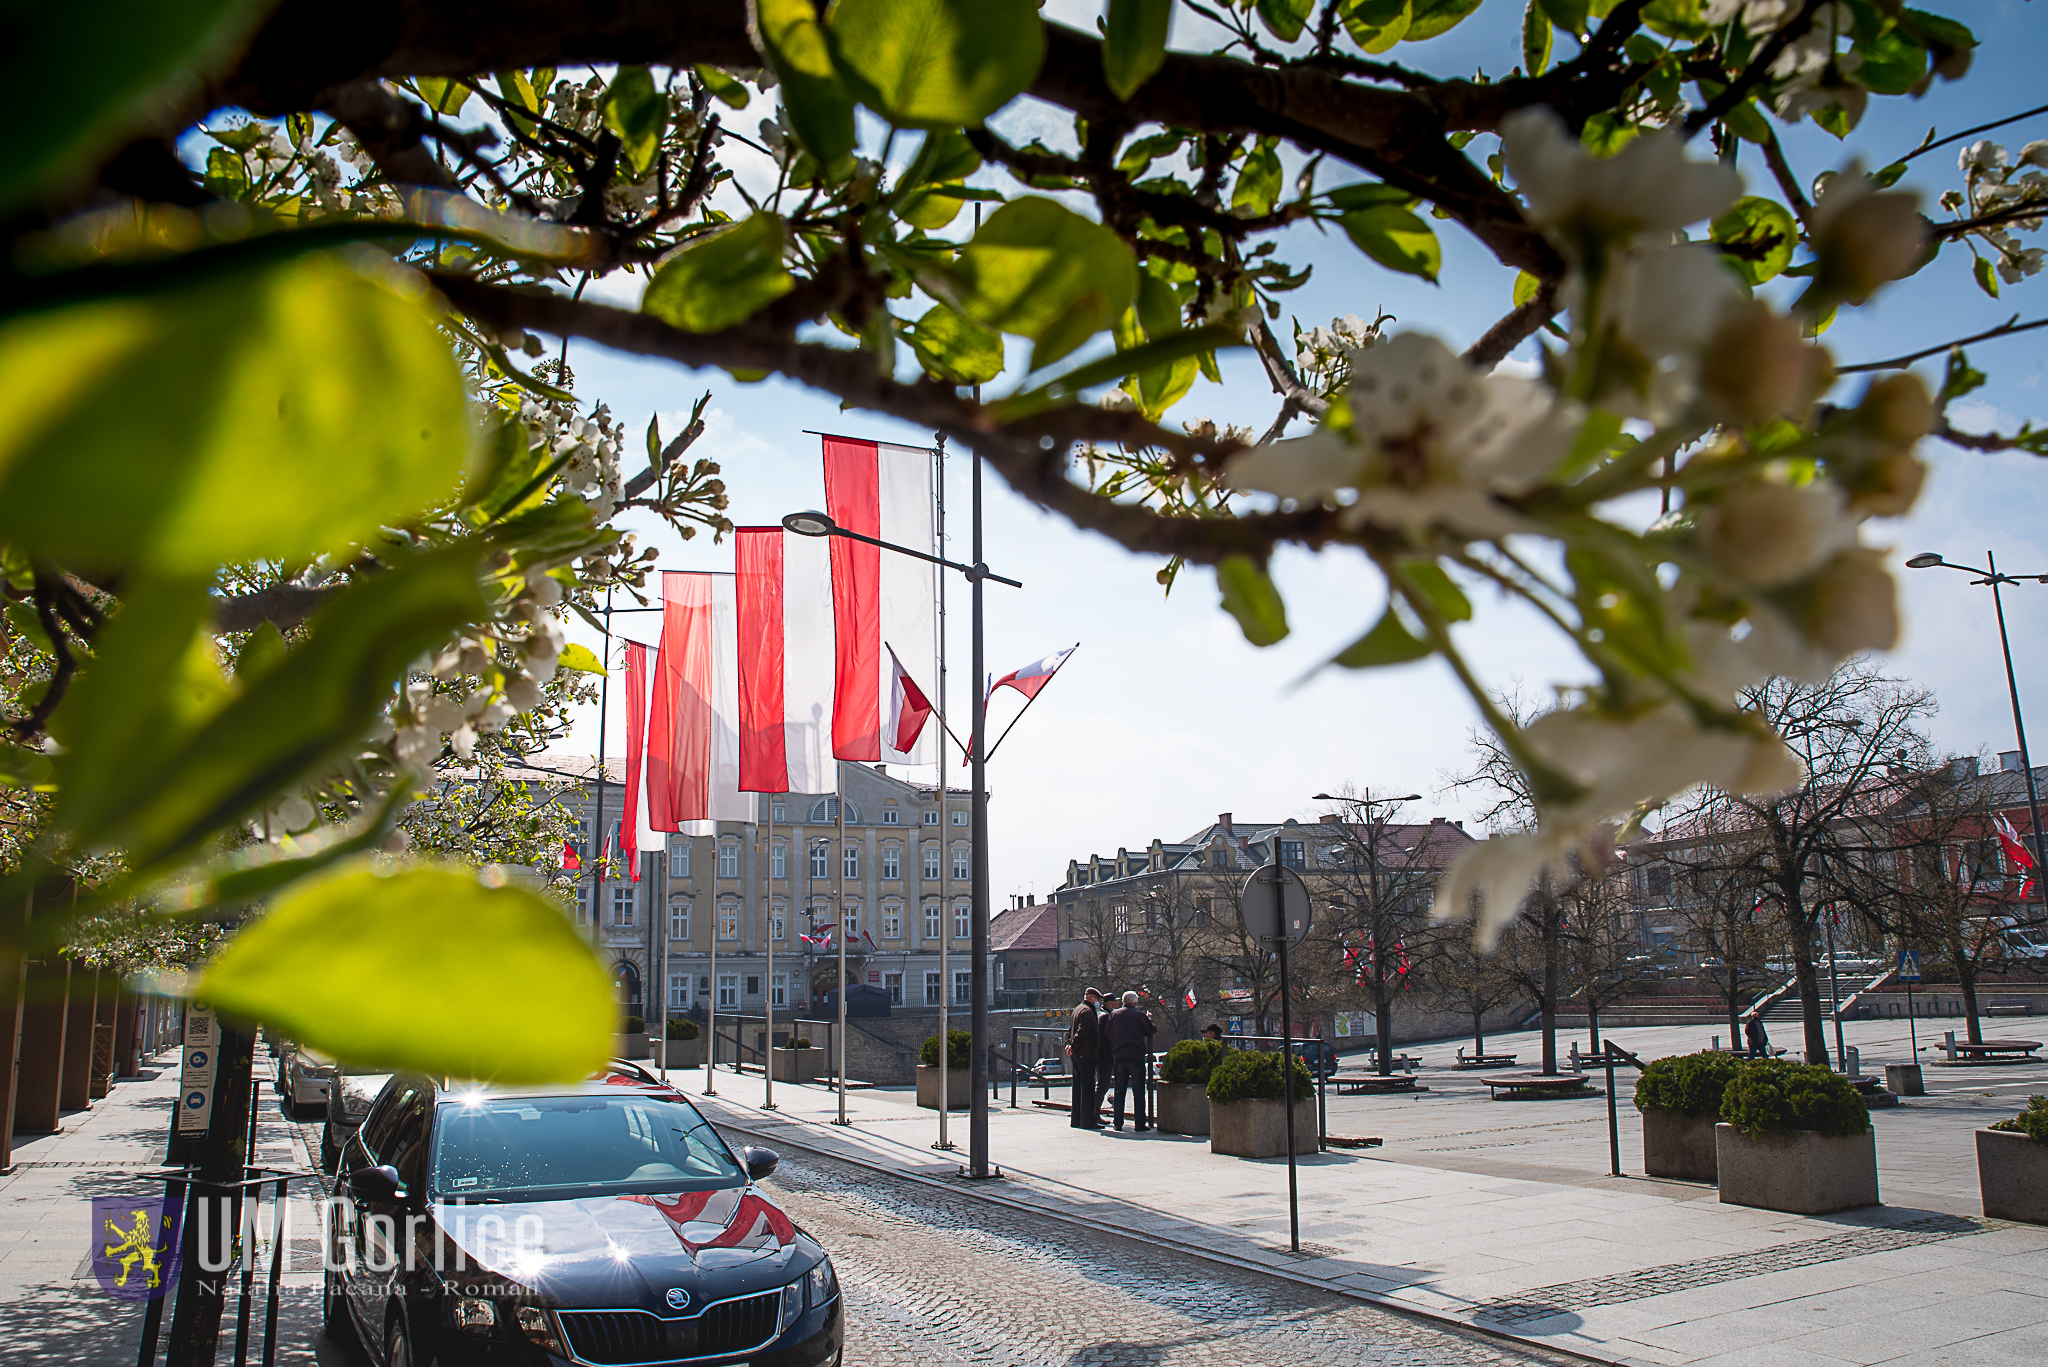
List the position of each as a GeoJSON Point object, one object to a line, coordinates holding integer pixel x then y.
{"type": "Point", "coordinates": [1852, 604]}
{"type": "Point", "coordinates": [1757, 366]}
{"type": "Point", "coordinates": [1767, 534]}
{"type": "Point", "coordinates": [1863, 238]}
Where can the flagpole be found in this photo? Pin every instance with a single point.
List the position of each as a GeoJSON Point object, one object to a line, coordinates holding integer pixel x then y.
{"type": "Point", "coordinates": [1027, 704]}
{"type": "Point", "coordinates": [711, 1002]}
{"type": "Point", "coordinates": [977, 1112]}
{"type": "Point", "coordinates": [945, 861]}
{"type": "Point", "coordinates": [604, 681]}
{"type": "Point", "coordinates": [768, 934]}
{"type": "Point", "coordinates": [838, 884]}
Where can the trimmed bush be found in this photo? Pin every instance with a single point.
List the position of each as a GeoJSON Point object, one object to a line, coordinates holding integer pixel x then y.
{"type": "Point", "coordinates": [801, 1043]}
{"type": "Point", "coordinates": [1192, 1060]}
{"type": "Point", "coordinates": [1777, 1096]}
{"type": "Point", "coordinates": [959, 1050]}
{"type": "Point", "coordinates": [2032, 1122]}
{"type": "Point", "coordinates": [1250, 1075]}
{"type": "Point", "coordinates": [634, 1026]}
{"type": "Point", "coordinates": [1687, 1084]}
{"type": "Point", "coordinates": [682, 1027]}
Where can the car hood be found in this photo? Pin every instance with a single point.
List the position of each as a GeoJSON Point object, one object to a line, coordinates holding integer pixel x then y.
{"type": "Point", "coordinates": [629, 1251]}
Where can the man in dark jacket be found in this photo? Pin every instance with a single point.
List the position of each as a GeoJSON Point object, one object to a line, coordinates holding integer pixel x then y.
{"type": "Point", "coordinates": [1084, 1048]}
{"type": "Point", "coordinates": [1128, 1032]}
{"type": "Point", "coordinates": [1759, 1041]}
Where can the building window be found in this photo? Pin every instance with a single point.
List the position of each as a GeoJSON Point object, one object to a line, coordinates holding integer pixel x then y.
{"type": "Point", "coordinates": [931, 921]}
{"type": "Point", "coordinates": [963, 987]}
{"type": "Point", "coordinates": [931, 863]}
{"type": "Point", "coordinates": [679, 860]}
{"type": "Point", "coordinates": [1219, 859]}
{"type": "Point", "coordinates": [1123, 919]}
{"type": "Point", "coordinates": [849, 862]}
{"type": "Point", "coordinates": [818, 865]}
{"type": "Point", "coordinates": [931, 818]}
{"type": "Point", "coordinates": [678, 991]}
{"type": "Point", "coordinates": [679, 920]}
{"type": "Point", "coordinates": [728, 859]}
{"type": "Point", "coordinates": [1291, 854]}
{"type": "Point", "coordinates": [1203, 907]}
{"type": "Point", "coordinates": [1659, 880]}
{"type": "Point", "coordinates": [931, 988]}
{"type": "Point", "coordinates": [728, 922]}
{"type": "Point", "coordinates": [893, 984]}
{"type": "Point", "coordinates": [778, 860]}
{"type": "Point", "coordinates": [728, 989]}
{"type": "Point", "coordinates": [960, 914]}
{"type": "Point", "coordinates": [778, 990]}
{"type": "Point", "coordinates": [889, 816]}
{"type": "Point", "coordinates": [962, 863]}
{"type": "Point", "coordinates": [960, 816]}
{"type": "Point", "coordinates": [849, 917]}
{"type": "Point", "coordinates": [825, 811]}
{"type": "Point", "coordinates": [892, 862]}
{"type": "Point", "coordinates": [754, 986]}
{"type": "Point", "coordinates": [892, 923]}
{"type": "Point", "coordinates": [777, 812]}
{"type": "Point", "coordinates": [622, 904]}
{"type": "Point", "coordinates": [583, 904]}
{"type": "Point", "coordinates": [778, 923]}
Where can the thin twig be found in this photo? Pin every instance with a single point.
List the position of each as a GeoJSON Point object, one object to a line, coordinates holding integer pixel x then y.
{"type": "Point", "coordinates": [1759, 67]}
{"type": "Point", "coordinates": [2005, 329]}
{"type": "Point", "coordinates": [1927, 147]}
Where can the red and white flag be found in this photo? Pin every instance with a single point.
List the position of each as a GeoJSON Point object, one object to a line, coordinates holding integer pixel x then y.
{"type": "Point", "coordinates": [1190, 999]}
{"type": "Point", "coordinates": [908, 706]}
{"type": "Point", "coordinates": [2015, 849]}
{"type": "Point", "coordinates": [631, 826]}
{"type": "Point", "coordinates": [693, 749]}
{"type": "Point", "coordinates": [572, 861]}
{"type": "Point", "coordinates": [1033, 676]}
{"type": "Point", "coordinates": [786, 660]}
{"type": "Point", "coordinates": [883, 491]}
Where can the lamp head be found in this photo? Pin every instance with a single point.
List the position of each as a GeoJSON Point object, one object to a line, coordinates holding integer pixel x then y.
{"type": "Point", "coordinates": [1412, 797]}
{"type": "Point", "coordinates": [809, 524]}
{"type": "Point", "coordinates": [1926, 560]}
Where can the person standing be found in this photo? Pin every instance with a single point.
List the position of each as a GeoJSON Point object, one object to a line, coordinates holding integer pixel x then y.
{"type": "Point", "coordinates": [1759, 1041]}
{"type": "Point", "coordinates": [1084, 1049]}
{"type": "Point", "coordinates": [1129, 1034]}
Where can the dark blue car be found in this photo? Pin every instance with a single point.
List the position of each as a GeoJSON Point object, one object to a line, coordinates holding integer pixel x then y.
{"type": "Point", "coordinates": [605, 1224]}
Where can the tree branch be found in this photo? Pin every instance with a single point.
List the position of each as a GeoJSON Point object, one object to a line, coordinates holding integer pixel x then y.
{"type": "Point", "coordinates": [1758, 69]}
{"type": "Point", "coordinates": [282, 605]}
{"type": "Point", "coordinates": [1517, 326]}
{"type": "Point", "coordinates": [391, 128]}
{"type": "Point", "coordinates": [2008, 328]}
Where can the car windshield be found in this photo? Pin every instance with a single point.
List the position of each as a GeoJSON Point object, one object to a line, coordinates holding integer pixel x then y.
{"type": "Point", "coordinates": [559, 1147]}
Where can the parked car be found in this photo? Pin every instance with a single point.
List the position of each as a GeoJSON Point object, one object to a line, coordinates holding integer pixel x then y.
{"type": "Point", "coordinates": [1054, 1065]}
{"type": "Point", "coordinates": [303, 1088]}
{"type": "Point", "coordinates": [604, 1223]}
{"type": "Point", "coordinates": [351, 1091]}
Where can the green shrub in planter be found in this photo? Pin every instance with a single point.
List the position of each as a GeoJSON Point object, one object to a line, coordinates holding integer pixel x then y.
{"type": "Point", "coordinates": [1192, 1060]}
{"type": "Point", "coordinates": [959, 1050]}
{"type": "Point", "coordinates": [1776, 1096]}
{"type": "Point", "coordinates": [634, 1026]}
{"type": "Point", "coordinates": [1248, 1075]}
{"type": "Point", "coordinates": [682, 1027]}
{"type": "Point", "coordinates": [801, 1043]}
{"type": "Point", "coordinates": [2032, 1122]}
{"type": "Point", "coordinates": [1687, 1084]}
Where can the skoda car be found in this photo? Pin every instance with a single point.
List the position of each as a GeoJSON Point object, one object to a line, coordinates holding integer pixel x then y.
{"type": "Point", "coordinates": [605, 1223]}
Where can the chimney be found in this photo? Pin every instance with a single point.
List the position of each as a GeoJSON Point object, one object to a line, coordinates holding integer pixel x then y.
{"type": "Point", "coordinates": [2008, 761]}
{"type": "Point", "coordinates": [1965, 767]}
{"type": "Point", "coordinates": [1436, 821]}
{"type": "Point", "coordinates": [1331, 819]}
{"type": "Point", "coordinates": [1223, 820]}
{"type": "Point", "coordinates": [1031, 899]}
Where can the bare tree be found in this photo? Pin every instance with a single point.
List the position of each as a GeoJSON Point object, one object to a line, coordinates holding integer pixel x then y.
{"type": "Point", "coordinates": [1459, 977]}
{"type": "Point", "coordinates": [1709, 879]}
{"type": "Point", "coordinates": [1378, 876]}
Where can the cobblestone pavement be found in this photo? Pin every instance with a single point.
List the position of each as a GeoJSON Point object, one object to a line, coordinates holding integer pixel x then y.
{"type": "Point", "coordinates": [934, 1278]}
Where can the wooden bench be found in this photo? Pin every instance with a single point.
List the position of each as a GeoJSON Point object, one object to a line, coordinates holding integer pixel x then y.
{"type": "Point", "coordinates": [1371, 1084]}
{"type": "Point", "coordinates": [1993, 1051]}
{"type": "Point", "coordinates": [1469, 1062]}
{"type": "Point", "coordinates": [1539, 1084]}
{"type": "Point", "coordinates": [2010, 1008]}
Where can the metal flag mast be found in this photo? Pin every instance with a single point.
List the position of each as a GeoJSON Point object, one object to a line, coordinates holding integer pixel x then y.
{"type": "Point", "coordinates": [838, 885]}
{"type": "Point", "coordinates": [945, 854]}
{"type": "Point", "coordinates": [768, 937]}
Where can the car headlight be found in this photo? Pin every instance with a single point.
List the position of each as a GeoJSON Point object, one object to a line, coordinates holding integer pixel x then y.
{"type": "Point", "coordinates": [533, 1322]}
{"type": "Point", "coordinates": [474, 1315]}
{"type": "Point", "coordinates": [792, 1306]}
{"type": "Point", "coordinates": [822, 1282]}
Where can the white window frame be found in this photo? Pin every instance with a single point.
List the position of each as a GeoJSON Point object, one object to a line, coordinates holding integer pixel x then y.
{"type": "Point", "coordinates": [932, 857]}
{"type": "Point", "coordinates": [679, 860]}
{"type": "Point", "coordinates": [931, 818]}
{"type": "Point", "coordinates": [890, 816]}
{"type": "Point", "coordinates": [728, 859]}
{"type": "Point", "coordinates": [778, 990]}
{"type": "Point", "coordinates": [582, 903]}
{"type": "Point", "coordinates": [892, 923]}
{"type": "Point", "coordinates": [849, 861]}
{"type": "Point", "coordinates": [963, 986]}
{"type": "Point", "coordinates": [728, 991]}
{"type": "Point", "coordinates": [821, 860]}
{"type": "Point", "coordinates": [624, 903]}
{"type": "Point", "coordinates": [892, 862]}
{"type": "Point", "coordinates": [777, 813]}
{"type": "Point", "coordinates": [963, 863]}
{"type": "Point", "coordinates": [1123, 919]}
{"type": "Point", "coordinates": [892, 983]}
{"type": "Point", "coordinates": [962, 920]}
{"type": "Point", "coordinates": [931, 920]}
{"type": "Point", "coordinates": [729, 921]}
{"type": "Point", "coordinates": [849, 921]}
{"type": "Point", "coordinates": [931, 987]}
{"type": "Point", "coordinates": [960, 816]}
{"type": "Point", "coordinates": [778, 922]}
{"type": "Point", "coordinates": [678, 920]}
{"type": "Point", "coordinates": [679, 991]}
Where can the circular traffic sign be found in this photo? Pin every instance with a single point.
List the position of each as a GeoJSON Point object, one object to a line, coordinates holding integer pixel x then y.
{"type": "Point", "coordinates": [1272, 898]}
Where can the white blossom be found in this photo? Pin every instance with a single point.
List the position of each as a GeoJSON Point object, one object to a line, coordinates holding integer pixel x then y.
{"type": "Point", "coordinates": [442, 714]}
{"type": "Point", "coordinates": [415, 746]}
{"type": "Point", "coordinates": [1648, 187]}
{"type": "Point", "coordinates": [1769, 533]}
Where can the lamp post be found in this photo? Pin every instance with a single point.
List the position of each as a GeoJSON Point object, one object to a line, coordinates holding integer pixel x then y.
{"type": "Point", "coordinates": [1928, 560]}
{"type": "Point", "coordinates": [1375, 826]}
{"type": "Point", "coordinates": [819, 524]}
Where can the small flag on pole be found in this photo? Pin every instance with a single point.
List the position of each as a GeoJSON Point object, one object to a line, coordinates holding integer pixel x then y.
{"type": "Point", "coordinates": [572, 862]}
{"type": "Point", "coordinates": [1189, 998]}
{"type": "Point", "coordinates": [908, 706]}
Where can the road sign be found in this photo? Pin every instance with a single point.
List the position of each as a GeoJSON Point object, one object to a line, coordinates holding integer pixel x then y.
{"type": "Point", "coordinates": [1272, 895]}
{"type": "Point", "coordinates": [1909, 966]}
{"type": "Point", "coordinates": [197, 1071]}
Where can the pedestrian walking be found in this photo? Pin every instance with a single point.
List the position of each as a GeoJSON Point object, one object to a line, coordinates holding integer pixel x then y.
{"type": "Point", "coordinates": [1084, 1050]}
{"type": "Point", "coordinates": [1129, 1032]}
{"type": "Point", "coordinates": [1759, 1042]}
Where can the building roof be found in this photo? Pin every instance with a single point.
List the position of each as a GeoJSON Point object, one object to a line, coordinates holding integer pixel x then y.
{"type": "Point", "coordinates": [1034, 927]}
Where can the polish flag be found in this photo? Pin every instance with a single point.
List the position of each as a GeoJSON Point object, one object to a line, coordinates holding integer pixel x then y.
{"type": "Point", "coordinates": [1033, 676]}
{"type": "Point", "coordinates": [693, 747]}
{"type": "Point", "coordinates": [1190, 999]}
{"type": "Point", "coordinates": [2015, 849]}
{"type": "Point", "coordinates": [636, 754]}
{"type": "Point", "coordinates": [883, 491]}
{"type": "Point", "coordinates": [908, 706]}
{"type": "Point", "coordinates": [784, 602]}
{"type": "Point", "coordinates": [572, 862]}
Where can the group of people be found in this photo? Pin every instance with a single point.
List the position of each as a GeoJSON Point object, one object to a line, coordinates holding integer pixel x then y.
{"type": "Point", "coordinates": [1108, 1051]}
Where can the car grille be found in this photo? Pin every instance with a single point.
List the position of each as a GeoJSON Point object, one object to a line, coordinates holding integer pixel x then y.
{"type": "Point", "coordinates": [620, 1338]}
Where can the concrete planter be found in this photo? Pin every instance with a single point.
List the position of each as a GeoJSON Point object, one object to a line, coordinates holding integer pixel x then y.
{"type": "Point", "coordinates": [681, 1053]}
{"type": "Point", "coordinates": [959, 1088]}
{"type": "Point", "coordinates": [1183, 1108]}
{"type": "Point", "coordinates": [1801, 1173]}
{"type": "Point", "coordinates": [2012, 1173]}
{"type": "Point", "coordinates": [1903, 1079]}
{"type": "Point", "coordinates": [1258, 1128]}
{"type": "Point", "coordinates": [1679, 1145]}
{"type": "Point", "coordinates": [800, 1065]}
{"type": "Point", "coordinates": [630, 1046]}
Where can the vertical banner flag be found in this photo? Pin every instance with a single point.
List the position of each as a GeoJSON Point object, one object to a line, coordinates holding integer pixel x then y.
{"type": "Point", "coordinates": [884, 491]}
{"type": "Point", "coordinates": [786, 664]}
{"type": "Point", "coordinates": [693, 741]}
{"type": "Point", "coordinates": [908, 706]}
{"type": "Point", "coordinates": [636, 754]}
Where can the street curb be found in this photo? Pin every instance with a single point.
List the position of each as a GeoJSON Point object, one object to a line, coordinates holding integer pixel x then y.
{"type": "Point", "coordinates": [981, 1193]}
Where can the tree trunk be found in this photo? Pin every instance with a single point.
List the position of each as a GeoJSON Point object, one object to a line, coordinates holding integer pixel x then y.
{"type": "Point", "coordinates": [1479, 1032]}
{"type": "Point", "coordinates": [1734, 1009]}
{"type": "Point", "coordinates": [1593, 1021]}
{"type": "Point", "coordinates": [1966, 975]}
{"type": "Point", "coordinates": [219, 1156]}
{"type": "Point", "coordinates": [1383, 1015]}
{"type": "Point", "coordinates": [1809, 994]}
{"type": "Point", "coordinates": [1548, 1005]}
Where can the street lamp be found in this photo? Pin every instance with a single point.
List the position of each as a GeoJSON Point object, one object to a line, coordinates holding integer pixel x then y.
{"type": "Point", "coordinates": [1928, 560]}
{"type": "Point", "coordinates": [812, 523]}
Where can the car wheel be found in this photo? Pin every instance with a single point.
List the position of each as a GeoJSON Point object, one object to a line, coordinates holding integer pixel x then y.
{"type": "Point", "coordinates": [330, 1149]}
{"type": "Point", "coordinates": [334, 1316]}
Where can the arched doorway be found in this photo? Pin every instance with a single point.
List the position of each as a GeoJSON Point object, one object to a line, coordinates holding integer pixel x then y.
{"type": "Point", "coordinates": [626, 987]}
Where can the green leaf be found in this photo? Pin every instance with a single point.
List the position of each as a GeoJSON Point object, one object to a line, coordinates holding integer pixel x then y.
{"type": "Point", "coordinates": [1134, 43]}
{"type": "Point", "coordinates": [1569, 15]}
{"type": "Point", "coordinates": [1959, 377]}
{"type": "Point", "coordinates": [1604, 135]}
{"type": "Point", "coordinates": [1258, 180]}
{"type": "Point", "coordinates": [1040, 270]}
{"type": "Point", "coordinates": [946, 157]}
{"type": "Point", "coordinates": [1536, 39]}
{"type": "Point", "coordinates": [1445, 596]}
{"type": "Point", "coordinates": [1249, 596]}
{"type": "Point", "coordinates": [162, 752]}
{"type": "Point", "coordinates": [443, 95]}
{"type": "Point", "coordinates": [932, 207]}
{"type": "Point", "coordinates": [1675, 18]}
{"type": "Point", "coordinates": [820, 109]}
{"type": "Point", "coordinates": [581, 658]}
{"type": "Point", "coordinates": [1434, 17]}
{"type": "Point", "coordinates": [1377, 25]}
{"type": "Point", "coordinates": [1285, 18]}
{"type": "Point", "coordinates": [1370, 194]}
{"type": "Point", "coordinates": [1892, 63]}
{"type": "Point", "coordinates": [1525, 289]}
{"type": "Point", "coordinates": [1987, 276]}
{"type": "Point", "coordinates": [726, 88]}
{"type": "Point", "coordinates": [1388, 643]}
{"type": "Point", "coordinates": [1161, 387]}
{"type": "Point", "coordinates": [426, 969]}
{"type": "Point", "coordinates": [1764, 233]}
{"type": "Point", "coordinates": [936, 63]}
{"type": "Point", "coordinates": [638, 114]}
{"type": "Point", "coordinates": [1886, 177]}
{"type": "Point", "coordinates": [226, 177]}
{"type": "Point", "coordinates": [956, 349]}
{"type": "Point", "coordinates": [261, 650]}
{"type": "Point", "coordinates": [1193, 342]}
{"type": "Point", "coordinates": [722, 279]}
{"type": "Point", "coordinates": [79, 78]}
{"type": "Point", "coordinates": [1396, 238]}
{"type": "Point", "coordinates": [279, 413]}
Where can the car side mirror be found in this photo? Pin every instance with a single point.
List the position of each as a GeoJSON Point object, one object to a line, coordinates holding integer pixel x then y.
{"type": "Point", "coordinates": [375, 1184]}
{"type": "Point", "coordinates": [760, 1161]}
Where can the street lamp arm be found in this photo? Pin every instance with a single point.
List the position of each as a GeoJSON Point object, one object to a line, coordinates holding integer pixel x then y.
{"type": "Point", "coordinates": [818, 524]}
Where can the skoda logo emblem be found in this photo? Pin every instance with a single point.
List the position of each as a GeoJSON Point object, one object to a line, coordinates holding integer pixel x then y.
{"type": "Point", "coordinates": [677, 1298]}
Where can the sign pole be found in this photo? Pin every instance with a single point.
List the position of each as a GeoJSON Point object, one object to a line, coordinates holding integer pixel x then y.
{"type": "Point", "coordinates": [1287, 1072]}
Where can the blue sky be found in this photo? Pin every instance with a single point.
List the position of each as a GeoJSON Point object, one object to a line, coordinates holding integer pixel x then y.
{"type": "Point", "coordinates": [1166, 717]}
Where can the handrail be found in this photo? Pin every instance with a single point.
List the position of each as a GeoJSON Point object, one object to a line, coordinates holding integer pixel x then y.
{"type": "Point", "coordinates": [1879, 981]}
